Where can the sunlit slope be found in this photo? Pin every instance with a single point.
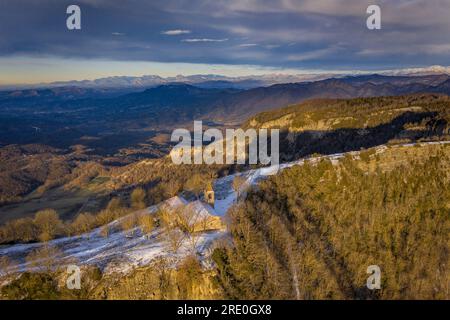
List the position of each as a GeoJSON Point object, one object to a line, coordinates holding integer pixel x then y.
{"type": "Point", "coordinates": [329, 126]}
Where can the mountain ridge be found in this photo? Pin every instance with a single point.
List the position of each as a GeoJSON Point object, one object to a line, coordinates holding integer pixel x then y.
{"type": "Point", "coordinates": [60, 119]}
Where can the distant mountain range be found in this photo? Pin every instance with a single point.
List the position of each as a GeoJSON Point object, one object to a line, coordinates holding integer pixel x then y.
{"type": "Point", "coordinates": [65, 114]}
{"type": "Point", "coordinates": [120, 84]}
{"type": "Point", "coordinates": [241, 105]}
{"type": "Point", "coordinates": [202, 81]}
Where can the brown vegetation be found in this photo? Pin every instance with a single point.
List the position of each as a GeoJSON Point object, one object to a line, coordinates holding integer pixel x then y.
{"type": "Point", "coordinates": [312, 231]}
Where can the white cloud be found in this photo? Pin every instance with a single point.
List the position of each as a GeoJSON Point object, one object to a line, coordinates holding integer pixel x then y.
{"type": "Point", "coordinates": [118, 34]}
{"type": "Point", "coordinates": [175, 32]}
{"type": "Point", "coordinates": [245, 45]}
{"type": "Point", "coordinates": [204, 40]}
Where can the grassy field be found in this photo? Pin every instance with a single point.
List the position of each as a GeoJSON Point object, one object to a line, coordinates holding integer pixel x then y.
{"type": "Point", "coordinates": [66, 203]}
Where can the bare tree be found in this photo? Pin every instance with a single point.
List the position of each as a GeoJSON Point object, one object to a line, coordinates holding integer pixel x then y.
{"type": "Point", "coordinates": [172, 189]}
{"type": "Point", "coordinates": [83, 223]}
{"type": "Point", "coordinates": [114, 204]}
{"type": "Point", "coordinates": [165, 218]}
{"type": "Point", "coordinates": [172, 233]}
{"type": "Point", "coordinates": [105, 230]}
{"type": "Point", "coordinates": [48, 224]}
{"type": "Point", "coordinates": [147, 223]}
{"type": "Point", "coordinates": [24, 229]}
{"type": "Point", "coordinates": [191, 223]}
{"type": "Point", "coordinates": [238, 185]}
{"type": "Point", "coordinates": [128, 223]}
{"type": "Point", "coordinates": [138, 199]}
{"type": "Point", "coordinates": [174, 238]}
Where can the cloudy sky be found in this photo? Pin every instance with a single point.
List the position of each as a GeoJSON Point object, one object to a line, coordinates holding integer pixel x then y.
{"type": "Point", "coordinates": [231, 37]}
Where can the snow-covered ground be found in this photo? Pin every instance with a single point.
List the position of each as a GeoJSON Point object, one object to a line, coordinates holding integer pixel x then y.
{"type": "Point", "coordinates": [121, 251]}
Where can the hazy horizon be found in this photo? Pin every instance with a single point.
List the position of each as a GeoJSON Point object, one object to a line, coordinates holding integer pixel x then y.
{"type": "Point", "coordinates": [231, 38]}
{"type": "Point", "coordinates": [167, 71]}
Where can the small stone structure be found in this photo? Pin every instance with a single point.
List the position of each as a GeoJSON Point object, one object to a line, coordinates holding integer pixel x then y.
{"type": "Point", "coordinates": [209, 197]}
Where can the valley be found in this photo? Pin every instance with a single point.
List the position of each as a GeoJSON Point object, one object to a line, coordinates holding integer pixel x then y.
{"type": "Point", "coordinates": [127, 251]}
{"type": "Point", "coordinates": [105, 125]}
{"type": "Point", "coordinates": [239, 158]}
{"type": "Point", "coordinates": [127, 213]}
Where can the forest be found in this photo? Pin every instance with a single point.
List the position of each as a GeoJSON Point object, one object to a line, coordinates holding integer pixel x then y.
{"type": "Point", "coordinates": [312, 231]}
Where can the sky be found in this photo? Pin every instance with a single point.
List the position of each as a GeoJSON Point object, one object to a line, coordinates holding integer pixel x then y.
{"type": "Point", "coordinates": [229, 37]}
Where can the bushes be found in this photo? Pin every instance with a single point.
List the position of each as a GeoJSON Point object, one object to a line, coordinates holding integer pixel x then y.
{"type": "Point", "coordinates": [129, 222]}
{"type": "Point", "coordinates": [83, 223]}
{"type": "Point", "coordinates": [114, 210]}
{"type": "Point", "coordinates": [138, 199]}
{"type": "Point", "coordinates": [147, 223]}
{"type": "Point", "coordinates": [51, 286]}
{"type": "Point", "coordinates": [24, 228]}
{"type": "Point", "coordinates": [32, 286]}
{"type": "Point", "coordinates": [106, 216]}
{"type": "Point", "coordinates": [190, 273]}
{"type": "Point", "coordinates": [46, 224]}
{"type": "Point", "coordinates": [238, 184]}
{"type": "Point", "coordinates": [105, 230]}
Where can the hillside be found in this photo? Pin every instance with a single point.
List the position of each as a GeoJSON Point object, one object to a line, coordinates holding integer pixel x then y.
{"type": "Point", "coordinates": [312, 231]}
{"type": "Point", "coordinates": [67, 116]}
{"type": "Point", "coordinates": [25, 168]}
{"type": "Point", "coordinates": [329, 126]}
{"type": "Point", "coordinates": [324, 126]}
{"type": "Point", "coordinates": [242, 105]}
{"type": "Point", "coordinates": [308, 206]}
{"type": "Point", "coordinates": [362, 179]}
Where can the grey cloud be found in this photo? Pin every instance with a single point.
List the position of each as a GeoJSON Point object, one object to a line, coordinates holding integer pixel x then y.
{"type": "Point", "coordinates": [325, 34]}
